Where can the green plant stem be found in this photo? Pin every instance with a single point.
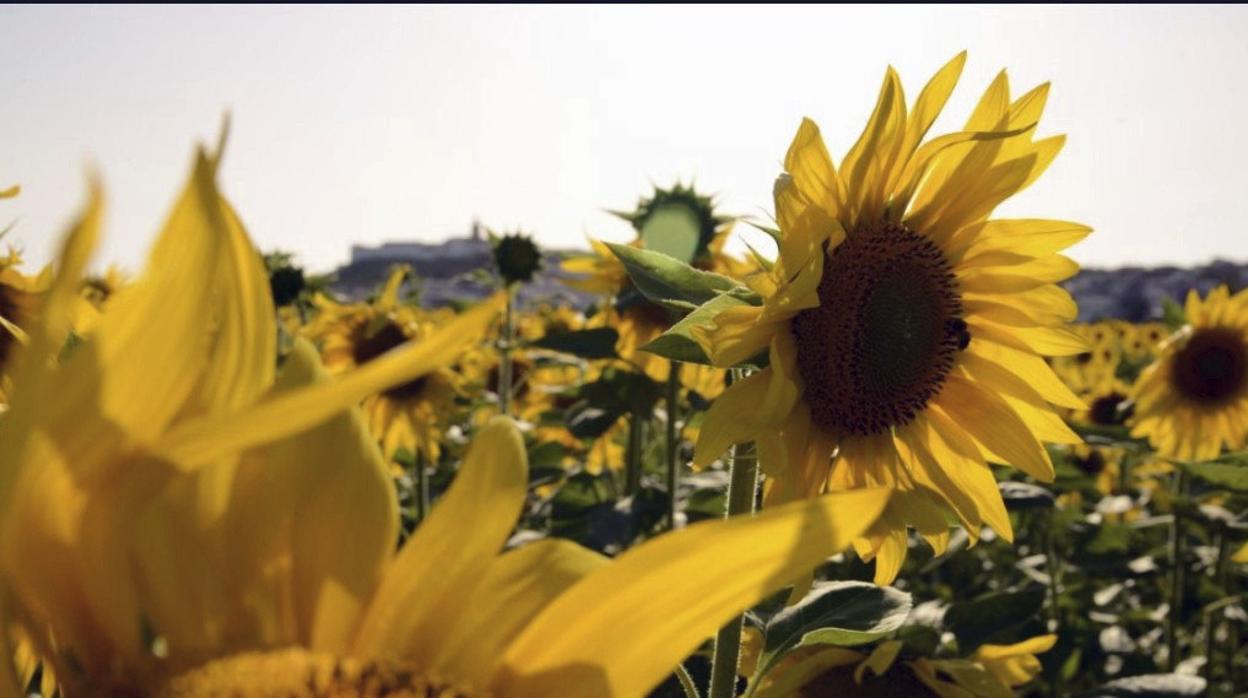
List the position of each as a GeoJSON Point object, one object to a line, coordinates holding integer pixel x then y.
{"type": "Point", "coordinates": [422, 487]}
{"type": "Point", "coordinates": [636, 426]}
{"type": "Point", "coordinates": [1177, 572]}
{"type": "Point", "coordinates": [1212, 614]}
{"type": "Point", "coordinates": [742, 490]}
{"type": "Point", "coordinates": [1054, 568]}
{"type": "Point", "coordinates": [504, 355]}
{"type": "Point", "coordinates": [673, 441]}
{"type": "Point", "coordinates": [686, 682]}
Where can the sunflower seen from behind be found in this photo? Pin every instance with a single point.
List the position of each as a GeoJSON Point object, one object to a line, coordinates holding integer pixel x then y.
{"type": "Point", "coordinates": [904, 330]}
{"type": "Point", "coordinates": [1193, 400]}
{"type": "Point", "coordinates": [679, 222]}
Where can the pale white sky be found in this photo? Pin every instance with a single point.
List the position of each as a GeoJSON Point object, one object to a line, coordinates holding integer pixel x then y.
{"type": "Point", "coordinates": [365, 124]}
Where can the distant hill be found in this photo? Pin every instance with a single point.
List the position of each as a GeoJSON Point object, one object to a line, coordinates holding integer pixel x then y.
{"type": "Point", "coordinates": [1135, 293]}
{"type": "Point", "coordinates": [457, 270]}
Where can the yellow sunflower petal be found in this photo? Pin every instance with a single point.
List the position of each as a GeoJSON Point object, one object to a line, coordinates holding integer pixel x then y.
{"type": "Point", "coordinates": [734, 417]}
{"type": "Point", "coordinates": [813, 173]}
{"type": "Point", "coordinates": [201, 440]}
{"type": "Point", "coordinates": [991, 422]}
{"type": "Point", "coordinates": [736, 335]}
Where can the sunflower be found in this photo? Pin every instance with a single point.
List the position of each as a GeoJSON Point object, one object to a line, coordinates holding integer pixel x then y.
{"type": "Point", "coordinates": [413, 415]}
{"type": "Point", "coordinates": [904, 331]}
{"type": "Point", "coordinates": [991, 672]}
{"type": "Point", "coordinates": [637, 320]}
{"type": "Point", "coordinates": [1193, 399]}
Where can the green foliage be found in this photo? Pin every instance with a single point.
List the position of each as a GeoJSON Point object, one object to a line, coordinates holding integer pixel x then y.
{"type": "Point", "coordinates": [673, 284]}
{"type": "Point", "coordinates": [975, 622]}
{"type": "Point", "coordinates": [596, 343]}
{"type": "Point", "coordinates": [1172, 314]}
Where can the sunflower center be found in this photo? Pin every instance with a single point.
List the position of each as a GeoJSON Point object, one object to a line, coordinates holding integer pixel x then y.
{"type": "Point", "coordinates": [367, 347]}
{"type": "Point", "coordinates": [14, 307]}
{"type": "Point", "coordinates": [1104, 409]}
{"type": "Point", "coordinates": [296, 673]}
{"type": "Point", "coordinates": [1212, 366]}
{"type": "Point", "coordinates": [885, 333]}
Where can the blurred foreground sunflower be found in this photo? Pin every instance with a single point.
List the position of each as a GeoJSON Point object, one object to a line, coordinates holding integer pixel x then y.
{"type": "Point", "coordinates": [904, 329]}
{"type": "Point", "coordinates": [1193, 399]}
{"type": "Point", "coordinates": [178, 519]}
{"type": "Point", "coordinates": [20, 295]}
{"type": "Point", "coordinates": [413, 415]}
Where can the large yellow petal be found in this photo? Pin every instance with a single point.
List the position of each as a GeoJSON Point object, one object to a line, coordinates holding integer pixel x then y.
{"type": "Point", "coordinates": [342, 517]}
{"type": "Point", "coordinates": [624, 627]}
{"type": "Point", "coordinates": [738, 334]}
{"type": "Point", "coordinates": [152, 346]}
{"type": "Point", "coordinates": [1045, 341]}
{"type": "Point", "coordinates": [517, 587]}
{"type": "Point", "coordinates": [428, 586]}
{"type": "Point", "coordinates": [813, 173]}
{"type": "Point", "coordinates": [734, 417]}
{"type": "Point", "coordinates": [991, 422]}
{"type": "Point", "coordinates": [867, 163]}
{"type": "Point", "coordinates": [1028, 237]}
{"type": "Point", "coordinates": [241, 365]}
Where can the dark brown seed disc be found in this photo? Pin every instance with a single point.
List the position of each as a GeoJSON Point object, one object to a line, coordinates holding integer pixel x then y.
{"type": "Point", "coordinates": [885, 333]}
{"type": "Point", "coordinates": [16, 306]}
{"type": "Point", "coordinates": [1212, 367]}
{"type": "Point", "coordinates": [366, 347]}
{"type": "Point", "coordinates": [1104, 409]}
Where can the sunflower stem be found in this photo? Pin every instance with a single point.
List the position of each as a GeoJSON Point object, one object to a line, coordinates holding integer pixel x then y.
{"type": "Point", "coordinates": [1054, 567]}
{"type": "Point", "coordinates": [1176, 579]}
{"type": "Point", "coordinates": [504, 355]}
{"type": "Point", "coordinates": [632, 474]}
{"type": "Point", "coordinates": [742, 490]}
{"type": "Point", "coordinates": [1212, 614]}
{"type": "Point", "coordinates": [673, 441]}
{"type": "Point", "coordinates": [422, 487]}
{"type": "Point", "coordinates": [686, 682]}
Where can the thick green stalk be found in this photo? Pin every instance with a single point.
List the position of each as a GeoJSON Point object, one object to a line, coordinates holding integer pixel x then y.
{"type": "Point", "coordinates": [422, 486]}
{"type": "Point", "coordinates": [686, 682]}
{"type": "Point", "coordinates": [673, 441]}
{"type": "Point", "coordinates": [742, 490]}
{"type": "Point", "coordinates": [1177, 572]}
{"type": "Point", "coordinates": [632, 474]}
{"type": "Point", "coordinates": [504, 356]}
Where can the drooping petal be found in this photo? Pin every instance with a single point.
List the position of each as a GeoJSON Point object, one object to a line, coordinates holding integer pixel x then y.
{"type": "Point", "coordinates": [432, 579]}
{"type": "Point", "coordinates": [580, 646]}
{"type": "Point", "coordinates": [198, 441]}
{"type": "Point", "coordinates": [517, 587]}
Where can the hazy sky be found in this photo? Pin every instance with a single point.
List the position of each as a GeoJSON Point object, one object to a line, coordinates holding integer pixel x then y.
{"type": "Point", "coordinates": [366, 124]}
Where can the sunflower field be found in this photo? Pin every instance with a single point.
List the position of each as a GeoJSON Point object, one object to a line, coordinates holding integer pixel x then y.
{"type": "Point", "coordinates": [879, 458]}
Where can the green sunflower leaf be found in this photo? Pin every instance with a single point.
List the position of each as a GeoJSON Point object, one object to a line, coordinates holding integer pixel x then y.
{"type": "Point", "coordinates": [671, 283]}
{"type": "Point", "coordinates": [844, 614]}
{"type": "Point", "coordinates": [678, 344]}
{"type": "Point", "coordinates": [1229, 473]}
{"type": "Point", "coordinates": [975, 622]}
{"type": "Point", "coordinates": [596, 343]}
